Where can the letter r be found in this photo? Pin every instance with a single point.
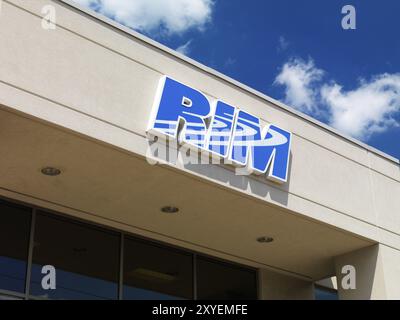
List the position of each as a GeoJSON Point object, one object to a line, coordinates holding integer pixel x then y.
{"type": "Point", "coordinates": [176, 103]}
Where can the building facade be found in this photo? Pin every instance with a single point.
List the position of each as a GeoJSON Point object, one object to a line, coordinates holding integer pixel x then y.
{"type": "Point", "coordinates": [88, 192]}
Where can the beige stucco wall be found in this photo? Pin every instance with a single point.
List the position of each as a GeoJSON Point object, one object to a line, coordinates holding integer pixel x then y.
{"type": "Point", "coordinates": [99, 81]}
{"type": "Point", "coordinates": [377, 273]}
{"type": "Point", "coordinates": [275, 286]}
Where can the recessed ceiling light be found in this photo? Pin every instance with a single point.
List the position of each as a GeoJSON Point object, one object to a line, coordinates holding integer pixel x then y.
{"type": "Point", "coordinates": [169, 209]}
{"type": "Point", "coordinates": [50, 171]}
{"type": "Point", "coordinates": [265, 239]}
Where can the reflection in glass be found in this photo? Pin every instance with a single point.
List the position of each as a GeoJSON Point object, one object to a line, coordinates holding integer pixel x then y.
{"type": "Point", "coordinates": [14, 242]}
{"type": "Point", "coordinates": [322, 293]}
{"type": "Point", "coordinates": [154, 272]}
{"type": "Point", "coordinates": [86, 260]}
{"type": "Point", "coordinates": [4, 297]}
{"type": "Point", "coordinates": [219, 280]}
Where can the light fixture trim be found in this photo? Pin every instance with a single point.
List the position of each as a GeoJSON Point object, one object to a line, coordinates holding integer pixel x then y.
{"type": "Point", "coordinates": [170, 209]}
{"type": "Point", "coordinates": [265, 239]}
{"type": "Point", "coordinates": [50, 171]}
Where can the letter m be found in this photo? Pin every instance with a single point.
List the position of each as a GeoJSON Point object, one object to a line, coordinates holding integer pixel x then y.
{"type": "Point", "coordinates": [261, 150]}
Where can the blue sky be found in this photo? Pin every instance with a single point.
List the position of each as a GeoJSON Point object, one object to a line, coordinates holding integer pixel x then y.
{"type": "Point", "coordinates": [293, 51]}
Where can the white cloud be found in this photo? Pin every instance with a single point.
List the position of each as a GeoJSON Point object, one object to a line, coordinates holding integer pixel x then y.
{"type": "Point", "coordinates": [185, 48]}
{"type": "Point", "coordinates": [369, 108]}
{"type": "Point", "coordinates": [299, 78]}
{"type": "Point", "coordinates": [170, 16]}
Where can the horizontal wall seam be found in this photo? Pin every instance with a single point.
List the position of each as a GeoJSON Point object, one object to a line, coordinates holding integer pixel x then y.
{"type": "Point", "coordinates": [269, 185]}
{"type": "Point", "coordinates": [278, 107]}
{"type": "Point", "coordinates": [219, 76]}
{"type": "Point", "coordinates": [258, 95]}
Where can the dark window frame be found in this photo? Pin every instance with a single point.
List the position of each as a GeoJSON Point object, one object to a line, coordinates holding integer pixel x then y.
{"type": "Point", "coordinates": [167, 247]}
{"type": "Point", "coordinates": [29, 209]}
{"type": "Point", "coordinates": [85, 227]}
{"type": "Point", "coordinates": [237, 267]}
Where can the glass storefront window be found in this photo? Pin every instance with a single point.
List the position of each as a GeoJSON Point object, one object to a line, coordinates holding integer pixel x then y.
{"type": "Point", "coordinates": [155, 272]}
{"type": "Point", "coordinates": [322, 293]}
{"type": "Point", "coordinates": [87, 263]}
{"type": "Point", "coordinates": [86, 259]}
{"type": "Point", "coordinates": [14, 243]}
{"type": "Point", "coordinates": [220, 280]}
